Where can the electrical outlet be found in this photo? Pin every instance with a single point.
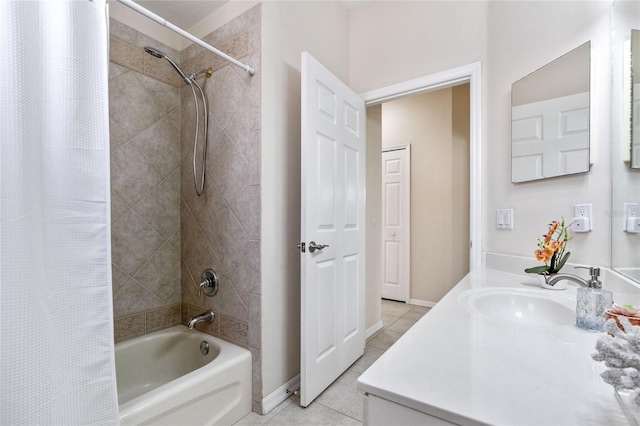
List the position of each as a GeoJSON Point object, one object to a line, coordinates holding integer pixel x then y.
{"type": "Point", "coordinates": [583, 219]}
{"type": "Point", "coordinates": [632, 209]}
{"type": "Point", "coordinates": [583, 210]}
{"type": "Point", "coordinates": [632, 217]}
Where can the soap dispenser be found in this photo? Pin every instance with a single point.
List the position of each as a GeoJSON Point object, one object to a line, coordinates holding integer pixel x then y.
{"type": "Point", "coordinates": [591, 302]}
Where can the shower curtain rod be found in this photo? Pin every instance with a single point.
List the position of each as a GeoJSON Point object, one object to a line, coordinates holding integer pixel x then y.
{"type": "Point", "coordinates": [183, 33]}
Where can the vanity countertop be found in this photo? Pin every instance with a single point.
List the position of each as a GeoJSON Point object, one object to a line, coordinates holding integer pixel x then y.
{"type": "Point", "coordinates": [466, 368]}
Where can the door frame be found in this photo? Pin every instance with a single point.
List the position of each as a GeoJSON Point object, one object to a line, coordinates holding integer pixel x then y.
{"type": "Point", "coordinates": [472, 74]}
{"type": "Point", "coordinates": [406, 230]}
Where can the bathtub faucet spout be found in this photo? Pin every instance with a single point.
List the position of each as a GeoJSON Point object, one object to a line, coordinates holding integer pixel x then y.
{"type": "Point", "coordinates": [204, 317]}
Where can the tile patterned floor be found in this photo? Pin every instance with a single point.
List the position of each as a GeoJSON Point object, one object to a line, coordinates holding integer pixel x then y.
{"type": "Point", "coordinates": [341, 403]}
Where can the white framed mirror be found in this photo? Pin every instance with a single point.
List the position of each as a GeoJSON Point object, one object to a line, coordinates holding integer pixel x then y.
{"type": "Point", "coordinates": [635, 99]}
{"type": "Point", "coordinates": [625, 177]}
{"type": "Point", "coordinates": [550, 119]}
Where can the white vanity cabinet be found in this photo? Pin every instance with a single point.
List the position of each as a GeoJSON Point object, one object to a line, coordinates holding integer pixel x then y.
{"type": "Point", "coordinates": [460, 366]}
{"type": "Point", "coordinates": [381, 412]}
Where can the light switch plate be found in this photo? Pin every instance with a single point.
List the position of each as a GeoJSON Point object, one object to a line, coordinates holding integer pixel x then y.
{"type": "Point", "coordinates": [504, 219]}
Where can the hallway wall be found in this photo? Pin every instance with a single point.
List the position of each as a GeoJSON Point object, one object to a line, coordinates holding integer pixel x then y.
{"type": "Point", "coordinates": [427, 122]}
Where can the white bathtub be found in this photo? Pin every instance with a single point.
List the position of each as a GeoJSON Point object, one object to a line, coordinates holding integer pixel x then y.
{"type": "Point", "coordinates": [164, 379]}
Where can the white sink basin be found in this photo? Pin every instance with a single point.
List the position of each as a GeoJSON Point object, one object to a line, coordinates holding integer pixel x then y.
{"type": "Point", "coordinates": [520, 306]}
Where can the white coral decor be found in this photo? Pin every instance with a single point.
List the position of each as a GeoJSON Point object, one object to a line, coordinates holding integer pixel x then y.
{"type": "Point", "coordinates": [626, 310]}
{"type": "Point", "coordinates": [620, 351]}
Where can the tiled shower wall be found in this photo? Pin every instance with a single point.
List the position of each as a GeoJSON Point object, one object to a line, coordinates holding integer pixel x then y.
{"type": "Point", "coordinates": [144, 115]}
{"type": "Point", "coordinates": [221, 229]}
{"type": "Point", "coordinates": [163, 235]}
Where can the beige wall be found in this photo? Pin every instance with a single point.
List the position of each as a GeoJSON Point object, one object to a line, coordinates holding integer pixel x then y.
{"type": "Point", "coordinates": [518, 42]}
{"type": "Point", "coordinates": [460, 200]}
{"type": "Point", "coordinates": [395, 41]}
{"type": "Point", "coordinates": [374, 214]}
{"type": "Point", "coordinates": [564, 76]}
{"type": "Point", "coordinates": [511, 39]}
{"type": "Point", "coordinates": [426, 122]}
{"type": "Point", "coordinates": [288, 29]}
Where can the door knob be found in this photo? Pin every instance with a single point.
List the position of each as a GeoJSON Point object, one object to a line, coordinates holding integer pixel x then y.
{"type": "Point", "coordinates": [313, 246]}
{"type": "Point", "coordinates": [393, 234]}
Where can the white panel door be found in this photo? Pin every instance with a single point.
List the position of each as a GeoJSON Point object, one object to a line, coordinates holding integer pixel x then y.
{"type": "Point", "coordinates": [550, 138]}
{"type": "Point", "coordinates": [333, 215]}
{"type": "Point", "coordinates": [396, 207]}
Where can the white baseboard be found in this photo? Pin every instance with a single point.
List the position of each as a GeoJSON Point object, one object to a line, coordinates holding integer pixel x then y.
{"type": "Point", "coordinates": [373, 329]}
{"type": "Point", "coordinates": [424, 303]}
{"type": "Point", "coordinates": [279, 395]}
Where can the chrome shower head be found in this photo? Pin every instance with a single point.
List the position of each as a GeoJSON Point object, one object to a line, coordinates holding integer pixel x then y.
{"type": "Point", "coordinates": [158, 54]}
{"type": "Point", "coordinates": [154, 52]}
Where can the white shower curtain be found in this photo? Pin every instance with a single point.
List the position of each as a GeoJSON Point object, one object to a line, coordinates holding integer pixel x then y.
{"type": "Point", "coordinates": [56, 343]}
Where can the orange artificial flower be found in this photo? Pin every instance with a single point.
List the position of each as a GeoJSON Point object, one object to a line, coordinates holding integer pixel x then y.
{"type": "Point", "coordinates": [556, 245]}
{"type": "Point", "coordinates": [543, 255]}
{"type": "Point", "coordinates": [551, 249]}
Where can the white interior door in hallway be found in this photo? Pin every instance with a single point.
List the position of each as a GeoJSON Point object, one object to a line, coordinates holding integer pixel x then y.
{"type": "Point", "coordinates": [333, 172]}
{"type": "Point", "coordinates": [396, 223]}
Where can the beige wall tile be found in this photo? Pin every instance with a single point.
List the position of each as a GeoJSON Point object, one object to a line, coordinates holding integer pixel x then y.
{"type": "Point", "coordinates": [255, 330]}
{"type": "Point", "coordinates": [134, 298]}
{"type": "Point", "coordinates": [237, 47]}
{"type": "Point", "coordinates": [165, 96]}
{"type": "Point", "coordinates": [164, 317]}
{"type": "Point", "coordinates": [161, 69]}
{"type": "Point", "coordinates": [161, 207]}
{"type": "Point", "coordinates": [160, 144]}
{"type": "Point", "coordinates": [126, 55]}
{"type": "Point", "coordinates": [133, 242]}
{"type": "Point", "coordinates": [132, 106]}
{"type": "Point", "coordinates": [119, 278]}
{"type": "Point", "coordinates": [221, 229]}
{"type": "Point", "coordinates": [246, 206]}
{"type": "Point", "coordinates": [161, 273]}
{"type": "Point", "coordinates": [163, 232]}
{"type": "Point", "coordinates": [128, 327]}
{"type": "Point", "coordinates": [235, 331]}
{"type": "Point", "coordinates": [231, 243]}
{"type": "Point", "coordinates": [256, 362]}
{"type": "Point", "coordinates": [133, 176]}
{"type": "Point", "coordinates": [203, 60]}
{"type": "Point", "coordinates": [118, 206]}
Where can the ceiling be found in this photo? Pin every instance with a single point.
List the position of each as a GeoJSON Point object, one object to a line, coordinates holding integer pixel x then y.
{"type": "Point", "coordinates": [186, 13]}
{"type": "Point", "coordinates": [182, 13]}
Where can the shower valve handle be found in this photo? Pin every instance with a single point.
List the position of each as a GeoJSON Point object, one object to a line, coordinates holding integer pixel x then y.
{"type": "Point", "coordinates": [209, 282]}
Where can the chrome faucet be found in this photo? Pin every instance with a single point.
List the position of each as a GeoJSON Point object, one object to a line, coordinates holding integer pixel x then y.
{"type": "Point", "coordinates": [593, 282]}
{"type": "Point", "coordinates": [203, 317]}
